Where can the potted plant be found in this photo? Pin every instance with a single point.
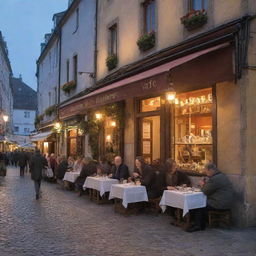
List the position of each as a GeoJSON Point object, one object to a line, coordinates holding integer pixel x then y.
{"type": "Point", "coordinates": [67, 87]}
{"type": "Point", "coordinates": [147, 41]}
{"type": "Point", "coordinates": [111, 61]}
{"type": "Point", "coordinates": [194, 19]}
{"type": "Point", "coordinates": [50, 110]}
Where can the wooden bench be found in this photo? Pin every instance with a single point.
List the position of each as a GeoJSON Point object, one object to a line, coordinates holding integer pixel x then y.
{"type": "Point", "coordinates": [216, 217]}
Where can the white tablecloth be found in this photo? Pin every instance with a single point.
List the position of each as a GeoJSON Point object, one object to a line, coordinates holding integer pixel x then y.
{"type": "Point", "coordinates": [129, 193]}
{"type": "Point", "coordinates": [102, 184]}
{"type": "Point", "coordinates": [71, 176]}
{"type": "Point", "coordinates": [185, 201]}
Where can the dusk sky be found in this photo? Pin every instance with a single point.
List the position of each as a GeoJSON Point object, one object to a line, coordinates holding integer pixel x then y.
{"type": "Point", "coordinates": [23, 24]}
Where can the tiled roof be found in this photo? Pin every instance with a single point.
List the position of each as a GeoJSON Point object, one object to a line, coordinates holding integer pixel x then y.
{"type": "Point", "coordinates": [24, 97]}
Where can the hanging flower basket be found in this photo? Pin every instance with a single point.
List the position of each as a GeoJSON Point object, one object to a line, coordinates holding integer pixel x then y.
{"type": "Point", "coordinates": [111, 62]}
{"type": "Point", "coordinates": [147, 41]}
{"type": "Point", "coordinates": [194, 19]}
{"type": "Point", "coordinates": [67, 87]}
{"type": "Point", "coordinates": [52, 109]}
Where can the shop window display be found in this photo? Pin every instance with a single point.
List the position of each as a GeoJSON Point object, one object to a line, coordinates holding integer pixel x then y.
{"type": "Point", "coordinates": [192, 130]}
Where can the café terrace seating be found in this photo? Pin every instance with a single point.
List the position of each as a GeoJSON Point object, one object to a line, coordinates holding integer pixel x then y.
{"type": "Point", "coordinates": [215, 218]}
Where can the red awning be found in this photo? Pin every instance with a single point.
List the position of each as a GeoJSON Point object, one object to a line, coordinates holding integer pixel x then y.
{"type": "Point", "coordinates": [202, 68]}
{"type": "Point", "coordinates": [152, 72]}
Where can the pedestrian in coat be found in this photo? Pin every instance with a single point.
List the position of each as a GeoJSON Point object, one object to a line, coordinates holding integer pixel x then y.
{"type": "Point", "coordinates": [22, 162]}
{"type": "Point", "coordinates": [37, 164]}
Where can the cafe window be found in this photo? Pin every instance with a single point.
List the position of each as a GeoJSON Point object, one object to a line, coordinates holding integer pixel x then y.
{"type": "Point", "coordinates": [151, 104]}
{"type": "Point", "coordinates": [192, 127]}
{"type": "Point", "coordinates": [198, 4]}
{"type": "Point", "coordinates": [72, 142]}
{"type": "Point", "coordinates": [149, 7]}
{"type": "Point", "coordinates": [112, 136]}
{"type": "Point", "coordinates": [113, 39]}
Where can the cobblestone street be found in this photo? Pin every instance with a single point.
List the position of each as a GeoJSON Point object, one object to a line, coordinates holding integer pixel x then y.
{"type": "Point", "coordinates": [63, 224]}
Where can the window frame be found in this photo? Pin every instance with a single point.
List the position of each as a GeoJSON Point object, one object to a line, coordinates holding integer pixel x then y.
{"type": "Point", "coordinates": [113, 41]}
{"type": "Point", "coordinates": [67, 70]}
{"type": "Point", "coordinates": [145, 6]}
{"type": "Point", "coordinates": [75, 67]}
{"type": "Point", "coordinates": [191, 5]}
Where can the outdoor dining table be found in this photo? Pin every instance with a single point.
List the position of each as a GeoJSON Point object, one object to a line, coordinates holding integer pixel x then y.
{"type": "Point", "coordinates": [101, 184]}
{"type": "Point", "coordinates": [71, 176]}
{"type": "Point", "coordinates": [185, 200]}
{"type": "Point", "coordinates": [129, 193]}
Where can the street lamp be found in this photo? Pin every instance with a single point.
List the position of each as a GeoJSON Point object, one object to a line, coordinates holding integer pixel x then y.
{"type": "Point", "coordinates": [5, 117]}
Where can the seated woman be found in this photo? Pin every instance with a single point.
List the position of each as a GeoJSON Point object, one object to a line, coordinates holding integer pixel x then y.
{"type": "Point", "coordinates": [105, 164]}
{"type": "Point", "coordinates": [62, 168]}
{"type": "Point", "coordinates": [71, 162]}
{"type": "Point", "coordinates": [89, 169]}
{"type": "Point", "coordinates": [147, 177]}
{"type": "Point", "coordinates": [78, 165]}
{"type": "Point", "coordinates": [173, 176]}
{"type": "Point", "coordinates": [100, 170]}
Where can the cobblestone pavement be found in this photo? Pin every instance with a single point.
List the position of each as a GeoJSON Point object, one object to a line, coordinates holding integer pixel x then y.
{"type": "Point", "coordinates": [63, 224]}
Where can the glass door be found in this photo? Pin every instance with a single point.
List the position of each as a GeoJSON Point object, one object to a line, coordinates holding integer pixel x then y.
{"type": "Point", "coordinates": [150, 138]}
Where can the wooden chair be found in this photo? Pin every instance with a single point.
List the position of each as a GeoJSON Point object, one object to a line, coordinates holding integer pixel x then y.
{"type": "Point", "coordinates": [154, 205]}
{"type": "Point", "coordinates": [216, 217]}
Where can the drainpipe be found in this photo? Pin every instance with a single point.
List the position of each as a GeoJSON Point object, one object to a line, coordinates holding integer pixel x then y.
{"type": "Point", "coordinates": [96, 42]}
{"type": "Point", "coordinates": [59, 84]}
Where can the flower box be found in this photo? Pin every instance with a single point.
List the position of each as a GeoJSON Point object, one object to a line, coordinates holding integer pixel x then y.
{"type": "Point", "coordinates": [67, 87]}
{"type": "Point", "coordinates": [194, 19]}
{"type": "Point", "coordinates": [111, 62]}
{"type": "Point", "coordinates": [147, 41]}
{"type": "Point", "coordinates": [52, 109]}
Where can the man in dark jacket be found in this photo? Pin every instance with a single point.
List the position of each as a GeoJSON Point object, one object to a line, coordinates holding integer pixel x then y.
{"type": "Point", "coordinates": [120, 170]}
{"type": "Point", "coordinates": [219, 192]}
{"type": "Point", "coordinates": [37, 164]}
{"type": "Point", "coordinates": [22, 162]}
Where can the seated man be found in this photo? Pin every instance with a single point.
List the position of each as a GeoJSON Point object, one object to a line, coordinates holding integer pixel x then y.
{"type": "Point", "coordinates": [219, 192]}
{"type": "Point", "coordinates": [119, 170]}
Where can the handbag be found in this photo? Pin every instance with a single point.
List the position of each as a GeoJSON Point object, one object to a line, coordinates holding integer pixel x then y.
{"type": "Point", "coordinates": [49, 173]}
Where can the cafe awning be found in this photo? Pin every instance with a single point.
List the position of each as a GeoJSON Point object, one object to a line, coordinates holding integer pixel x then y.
{"type": "Point", "coordinates": [154, 80]}
{"type": "Point", "coordinates": [40, 136]}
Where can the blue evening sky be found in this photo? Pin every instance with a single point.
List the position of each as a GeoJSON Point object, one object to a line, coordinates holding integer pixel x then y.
{"type": "Point", "coordinates": [23, 24]}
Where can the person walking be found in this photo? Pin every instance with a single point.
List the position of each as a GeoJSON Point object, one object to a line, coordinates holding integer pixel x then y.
{"type": "Point", "coordinates": [22, 162]}
{"type": "Point", "coordinates": [37, 164]}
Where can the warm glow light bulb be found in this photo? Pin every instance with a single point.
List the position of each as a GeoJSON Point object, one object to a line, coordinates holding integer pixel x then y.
{"type": "Point", "coordinates": [113, 123]}
{"type": "Point", "coordinates": [5, 117]}
{"type": "Point", "coordinates": [98, 116]}
{"type": "Point", "coordinates": [108, 138]}
{"type": "Point", "coordinates": [57, 125]}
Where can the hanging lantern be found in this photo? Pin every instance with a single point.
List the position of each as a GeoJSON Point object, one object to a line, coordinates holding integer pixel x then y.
{"type": "Point", "coordinates": [57, 125]}
{"type": "Point", "coordinates": [170, 95]}
{"type": "Point", "coordinates": [98, 116]}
